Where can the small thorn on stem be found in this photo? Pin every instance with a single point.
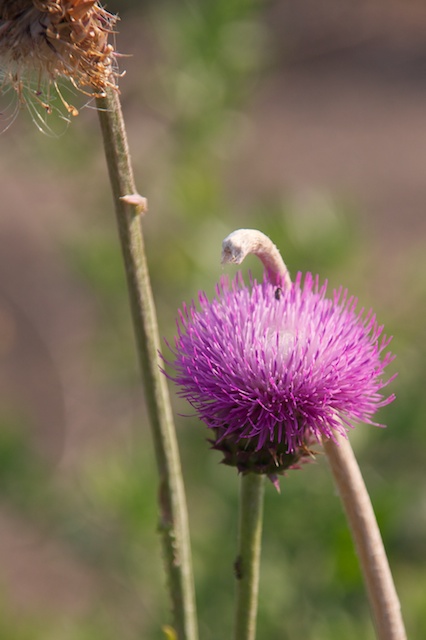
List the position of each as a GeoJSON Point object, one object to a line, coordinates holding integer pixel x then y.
{"type": "Point", "coordinates": [275, 481]}
{"type": "Point", "coordinates": [137, 200]}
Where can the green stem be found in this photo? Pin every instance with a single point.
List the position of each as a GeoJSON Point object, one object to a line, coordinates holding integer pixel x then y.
{"type": "Point", "coordinates": [248, 558]}
{"type": "Point", "coordinates": [172, 503]}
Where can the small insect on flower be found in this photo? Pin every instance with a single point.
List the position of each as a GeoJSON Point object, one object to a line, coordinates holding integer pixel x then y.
{"type": "Point", "coordinates": [269, 379]}
{"type": "Point", "coordinates": [42, 41]}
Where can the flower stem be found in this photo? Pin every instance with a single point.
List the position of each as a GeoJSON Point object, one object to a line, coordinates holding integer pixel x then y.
{"type": "Point", "coordinates": [172, 502]}
{"type": "Point", "coordinates": [365, 532]}
{"type": "Point", "coordinates": [248, 558]}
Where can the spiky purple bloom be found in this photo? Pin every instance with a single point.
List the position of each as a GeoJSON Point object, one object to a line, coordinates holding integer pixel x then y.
{"type": "Point", "coordinates": [270, 369]}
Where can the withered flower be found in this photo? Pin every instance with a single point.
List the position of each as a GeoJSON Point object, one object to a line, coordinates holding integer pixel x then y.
{"type": "Point", "coordinates": [42, 41]}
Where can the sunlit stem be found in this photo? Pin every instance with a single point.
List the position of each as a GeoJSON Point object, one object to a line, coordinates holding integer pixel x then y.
{"type": "Point", "coordinates": [248, 558]}
{"type": "Point", "coordinates": [172, 502]}
{"type": "Point", "coordinates": [381, 590]}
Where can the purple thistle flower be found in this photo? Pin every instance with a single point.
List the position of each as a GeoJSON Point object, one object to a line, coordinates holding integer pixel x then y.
{"type": "Point", "coordinates": [271, 369]}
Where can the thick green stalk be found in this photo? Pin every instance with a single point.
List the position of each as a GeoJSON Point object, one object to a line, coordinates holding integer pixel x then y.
{"type": "Point", "coordinates": [173, 510]}
{"type": "Point", "coordinates": [248, 558]}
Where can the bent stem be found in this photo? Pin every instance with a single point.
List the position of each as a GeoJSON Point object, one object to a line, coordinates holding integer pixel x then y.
{"type": "Point", "coordinates": [173, 511]}
{"type": "Point", "coordinates": [366, 534]}
{"type": "Point", "coordinates": [243, 242]}
{"type": "Point", "coordinates": [248, 557]}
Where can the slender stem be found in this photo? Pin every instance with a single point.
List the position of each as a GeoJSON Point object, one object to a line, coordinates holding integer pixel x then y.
{"type": "Point", "coordinates": [173, 510]}
{"type": "Point", "coordinates": [248, 558]}
{"type": "Point", "coordinates": [365, 532]}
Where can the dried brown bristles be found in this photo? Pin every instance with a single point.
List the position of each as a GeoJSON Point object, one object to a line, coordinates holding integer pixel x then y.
{"type": "Point", "coordinates": [49, 39]}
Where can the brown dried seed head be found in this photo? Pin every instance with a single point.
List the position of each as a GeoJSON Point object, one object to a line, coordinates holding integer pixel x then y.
{"type": "Point", "coordinates": [57, 38]}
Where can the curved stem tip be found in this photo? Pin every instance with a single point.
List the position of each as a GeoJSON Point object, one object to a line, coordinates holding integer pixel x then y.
{"type": "Point", "coordinates": [242, 242]}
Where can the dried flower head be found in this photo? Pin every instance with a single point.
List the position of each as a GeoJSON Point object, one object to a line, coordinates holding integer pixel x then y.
{"type": "Point", "coordinates": [270, 368]}
{"type": "Point", "coordinates": [44, 40]}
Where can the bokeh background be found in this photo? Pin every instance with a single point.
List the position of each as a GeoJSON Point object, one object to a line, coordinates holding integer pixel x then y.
{"type": "Point", "coordinates": [304, 119]}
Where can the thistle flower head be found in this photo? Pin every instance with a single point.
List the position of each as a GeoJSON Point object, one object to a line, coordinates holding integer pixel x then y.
{"type": "Point", "coordinates": [271, 368]}
{"type": "Point", "coordinates": [43, 40]}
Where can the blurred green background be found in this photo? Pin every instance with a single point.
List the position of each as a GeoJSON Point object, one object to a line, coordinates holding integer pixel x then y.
{"type": "Point", "coordinates": [306, 120]}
